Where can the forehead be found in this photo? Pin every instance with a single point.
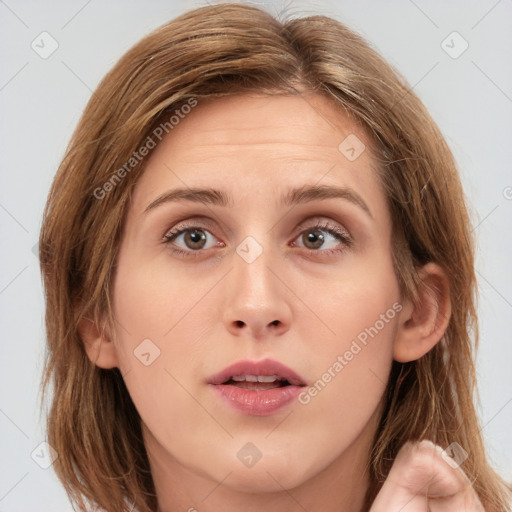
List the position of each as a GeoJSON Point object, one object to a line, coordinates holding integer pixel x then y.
{"type": "Point", "coordinates": [307, 120]}
{"type": "Point", "coordinates": [258, 142]}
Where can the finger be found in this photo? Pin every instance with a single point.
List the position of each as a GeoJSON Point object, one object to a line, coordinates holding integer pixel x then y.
{"type": "Point", "coordinates": [423, 479]}
{"type": "Point", "coordinates": [448, 487]}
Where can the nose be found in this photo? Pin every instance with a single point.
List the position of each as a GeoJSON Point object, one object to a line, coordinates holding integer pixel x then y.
{"type": "Point", "coordinates": [256, 304]}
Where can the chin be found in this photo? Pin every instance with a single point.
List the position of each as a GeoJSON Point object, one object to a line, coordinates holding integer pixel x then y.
{"type": "Point", "coordinates": [269, 474]}
{"type": "Point", "coordinates": [254, 481]}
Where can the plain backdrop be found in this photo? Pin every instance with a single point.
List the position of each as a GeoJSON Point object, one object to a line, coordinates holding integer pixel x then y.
{"type": "Point", "coordinates": [469, 95]}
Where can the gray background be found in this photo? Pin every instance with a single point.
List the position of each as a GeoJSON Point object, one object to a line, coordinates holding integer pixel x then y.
{"type": "Point", "coordinates": [41, 101]}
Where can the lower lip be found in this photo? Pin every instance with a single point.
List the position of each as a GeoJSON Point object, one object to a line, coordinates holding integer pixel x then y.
{"type": "Point", "coordinates": [261, 402]}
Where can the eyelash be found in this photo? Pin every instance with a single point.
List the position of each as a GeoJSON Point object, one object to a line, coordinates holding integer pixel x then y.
{"type": "Point", "coordinates": [336, 232]}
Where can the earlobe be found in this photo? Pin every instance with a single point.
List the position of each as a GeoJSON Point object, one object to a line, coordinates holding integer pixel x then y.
{"type": "Point", "coordinates": [423, 324]}
{"type": "Point", "coordinates": [99, 347]}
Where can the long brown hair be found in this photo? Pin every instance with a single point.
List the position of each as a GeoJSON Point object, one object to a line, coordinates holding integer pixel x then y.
{"type": "Point", "coordinates": [233, 49]}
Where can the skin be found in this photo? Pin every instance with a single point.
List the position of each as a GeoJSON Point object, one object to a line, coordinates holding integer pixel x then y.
{"type": "Point", "coordinates": [295, 303]}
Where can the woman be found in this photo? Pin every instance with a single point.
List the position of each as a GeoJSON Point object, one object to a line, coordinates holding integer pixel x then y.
{"type": "Point", "coordinates": [259, 281]}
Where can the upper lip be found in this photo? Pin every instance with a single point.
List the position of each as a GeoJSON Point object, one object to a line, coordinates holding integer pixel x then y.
{"type": "Point", "coordinates": [265, 367]}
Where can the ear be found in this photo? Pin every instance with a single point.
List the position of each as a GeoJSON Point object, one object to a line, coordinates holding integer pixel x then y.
{"type": "Point", "coordinates": [98, 345]}
{"type": "Point", "coordinates": [423, 324]}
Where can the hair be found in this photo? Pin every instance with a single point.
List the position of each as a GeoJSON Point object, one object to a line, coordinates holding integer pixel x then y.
{"type": "Point", "coordinates": [208, 53]}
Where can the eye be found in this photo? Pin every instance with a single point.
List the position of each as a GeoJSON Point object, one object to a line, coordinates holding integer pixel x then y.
{"type": "Point", "coordinates": [314, 238]}
{"type": "Point", "coordinates": [195, 238]}
{"type": "Point", "coordinates": [320, 238]}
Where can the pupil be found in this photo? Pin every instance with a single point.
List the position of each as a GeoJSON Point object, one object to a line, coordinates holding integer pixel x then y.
{"type": "Point", "coordinates": [196, 237]}
{"type": "Point", "coordinates": [316, 237]}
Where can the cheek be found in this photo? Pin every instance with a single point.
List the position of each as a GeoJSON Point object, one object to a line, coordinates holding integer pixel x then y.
{"type": "Point", "coordinates": [153, 308]}
{"type": "Point", "coordinates": [344, 399]}
{"type": "Point", "coordinates": [150, 301]}
{"type": "Point", "coordinates": [352, 376]}
{"type": "Point", "coordinates": [353, 302]}
{"type": "Point", "coordinates": [360, 312]}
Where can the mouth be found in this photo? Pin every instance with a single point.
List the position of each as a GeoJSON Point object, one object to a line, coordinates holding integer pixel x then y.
{"type": "Point", "coordinates": [258, 388]}
{"type": "Point", "coordinates": [266, 374]}
{"type": "Point", "coordinates": [257, 382]}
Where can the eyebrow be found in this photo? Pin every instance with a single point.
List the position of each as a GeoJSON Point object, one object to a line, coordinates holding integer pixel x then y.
{"type": "Point", "coordinates": [300, 195]}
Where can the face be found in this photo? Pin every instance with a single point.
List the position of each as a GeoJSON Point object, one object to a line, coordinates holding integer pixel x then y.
{"type": "Point", "coordinates": [291, 276]}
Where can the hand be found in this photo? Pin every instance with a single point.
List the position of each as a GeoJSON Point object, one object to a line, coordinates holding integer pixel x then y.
{"type": "Point", "coordinates": [421, 480]}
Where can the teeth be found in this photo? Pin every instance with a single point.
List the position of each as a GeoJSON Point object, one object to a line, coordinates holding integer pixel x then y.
{"type": "Point", "coordinates": [254, 378]}
{"type": "Point", "coordinates": [269, 378]}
